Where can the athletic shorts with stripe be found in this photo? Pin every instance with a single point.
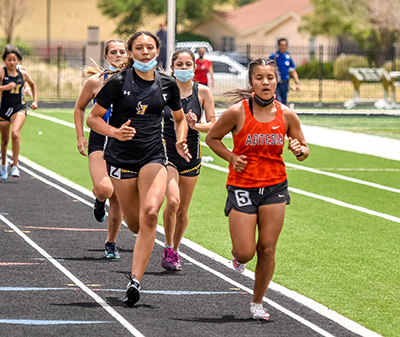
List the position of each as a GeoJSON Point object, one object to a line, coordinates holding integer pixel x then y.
{"type": "Point", "coordinates": [121, 173]}
{"type": "Point", "coordinates": [248, 200]}
{"type": "Point", "coordinates": [191, 169]}
{"type": "Point", "coordinates": [6, 114]}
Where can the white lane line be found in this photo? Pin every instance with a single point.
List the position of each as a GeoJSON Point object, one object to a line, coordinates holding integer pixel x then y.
{"type": "Point", "coordinates": [339, 176]}
{"type": "Point", "coordinates": [74, 279]}
{"type": "Point", "coordinates": [250, 291]}
{"type": "Point", "coordinates": [317, 307]}
{"type": "Point", "coordinates": [54, 120]}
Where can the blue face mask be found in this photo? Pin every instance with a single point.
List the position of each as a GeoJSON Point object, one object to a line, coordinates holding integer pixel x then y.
{"type": "Point", "coordinates": [145, 67]}
{"type": "Point", "coordinates": [111, 68]}
{"type": "Point", "coordinates": [183, 75]}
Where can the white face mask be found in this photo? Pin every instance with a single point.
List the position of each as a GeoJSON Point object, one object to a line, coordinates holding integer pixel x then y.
{"type": "Point", "coordinates": [144, 67]}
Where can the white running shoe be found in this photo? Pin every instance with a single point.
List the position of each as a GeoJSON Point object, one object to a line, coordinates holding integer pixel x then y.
{"type": "Point", "coordinates": [239, 267]}
{"type": "Point", "coordinates": [15, 171]}
{"type": "Point", "coordinates": [258, 311]}
{"type": "Point", "coordinates": [4, 172]}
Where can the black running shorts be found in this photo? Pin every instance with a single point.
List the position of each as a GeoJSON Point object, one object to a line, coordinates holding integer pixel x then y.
{"type": "Point", "coordinates": [248, 200]}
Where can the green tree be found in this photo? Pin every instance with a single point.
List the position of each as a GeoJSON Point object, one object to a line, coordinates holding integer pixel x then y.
{"type": "Point", "coordinates": [130, 13]}
{"type": "Point", "coordinates": [373, 24]}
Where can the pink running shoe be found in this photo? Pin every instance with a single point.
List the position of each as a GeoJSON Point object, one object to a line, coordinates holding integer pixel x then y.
{"type": "Point", "coordinates": [169, 260]}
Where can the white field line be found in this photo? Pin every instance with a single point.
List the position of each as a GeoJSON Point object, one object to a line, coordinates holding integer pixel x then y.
{"type": "Point", "coordinates": [74, 279]}
{"type": "Point", "coordinates": [329, 174]}
{"type": "Point", "coordinates": [327, 199]}
{"type": "Point", "coordinates": [317, 307]}
{"type": "Point", "coordinates": [299, 167]}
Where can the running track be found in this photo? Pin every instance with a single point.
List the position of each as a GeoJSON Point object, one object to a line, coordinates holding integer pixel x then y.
{"type": "Point", "coordinates": [54, 279]}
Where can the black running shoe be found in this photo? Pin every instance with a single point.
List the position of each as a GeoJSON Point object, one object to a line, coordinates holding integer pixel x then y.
{"type": "Point", "coordinates": [111, 250]}
{"type": "Point", "coordinates": [99, 212]}
{"type": "Point", "coordinates": [132, 292]}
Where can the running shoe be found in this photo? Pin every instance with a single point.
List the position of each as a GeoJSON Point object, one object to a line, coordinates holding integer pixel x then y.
{"type": "Point", "coordinates": [169, 260]}
{"type": "Point", "coordinates": [111, 250]}
{"type": "Point", "coordinates": [99, 212]}
{"type": "Point", "coordinates": [258, 311]}
{"type": "Point", "coordinates": [238, 267]}
{"type": "Point", "coordinates": [4, 172]}
{"type": "Point", "coordinates": [132, 292]}
{"type": "Point", "coordinates": [15, 171]}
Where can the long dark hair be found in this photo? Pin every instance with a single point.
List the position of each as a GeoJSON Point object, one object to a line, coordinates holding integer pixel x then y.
{"type": "Point", "coordinates": [237, 95]}
{"type": "Point", "coordinates": [10, 49]}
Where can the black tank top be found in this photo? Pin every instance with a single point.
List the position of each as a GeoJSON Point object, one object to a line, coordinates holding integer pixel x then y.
{"type": "Point", "coordinates": [15, 97]}
{"type": "Point", "coordinates": [143, 106]}
{"type": "Point", "coordinates": [192, 103]}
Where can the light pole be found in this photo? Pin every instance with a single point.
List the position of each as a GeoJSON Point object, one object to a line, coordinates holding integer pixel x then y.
{"type": "Point", "coordinates": [170, 31]}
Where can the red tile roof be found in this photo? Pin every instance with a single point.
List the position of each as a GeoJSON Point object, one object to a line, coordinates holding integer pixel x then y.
{"type": "Point", "coordinates": [264, 11]}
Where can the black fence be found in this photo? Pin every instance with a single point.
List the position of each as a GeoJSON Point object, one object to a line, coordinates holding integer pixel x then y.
{"type": "Point", "coordinates": [323, 70]}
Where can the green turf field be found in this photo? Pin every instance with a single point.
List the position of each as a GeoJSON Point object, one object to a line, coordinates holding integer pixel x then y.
{"type": "Point", "coordinates": [343, 258]}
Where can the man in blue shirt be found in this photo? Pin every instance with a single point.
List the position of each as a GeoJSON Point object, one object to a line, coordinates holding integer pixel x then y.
{"type": "Point", "coordinates": [286, 67]}
{"type": "Point", "coordinates": [162, 35]}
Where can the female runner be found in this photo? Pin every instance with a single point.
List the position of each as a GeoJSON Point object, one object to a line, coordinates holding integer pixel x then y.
{"type": "Point", "coordinates": [182, 176]}
{"type": "Point", "coordinates": [135, 153]}
{"type": "Point", "coordinates": [257, 182]}
{"type": "Point", "coordinates": [13, 108]}
{"type": "Point", "coordinates": [114, 54]}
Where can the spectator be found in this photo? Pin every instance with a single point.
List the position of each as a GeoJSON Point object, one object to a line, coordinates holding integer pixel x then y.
{"type": "Point", "coordinates": [203, 67]}
{"type": "Point", "coordinates": [162, 35]}
{"type": "Point", "coordinates": [286, 66]}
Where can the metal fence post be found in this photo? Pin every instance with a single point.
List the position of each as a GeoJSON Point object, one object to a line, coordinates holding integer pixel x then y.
{"type": "Point", "coordinates": [248, 52]}
{"type": "Point", "coordinates": [58, 70]}
{"type": "Point", "coordinates": [83, 62]}
{"type": "Point", "coordinates": [321, 70]}
{"type": "Point", "coordinates": [394, 57]}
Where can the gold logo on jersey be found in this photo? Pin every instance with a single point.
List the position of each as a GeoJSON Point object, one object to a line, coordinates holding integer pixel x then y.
{"type": "Point", "coordinates": [141, 109]}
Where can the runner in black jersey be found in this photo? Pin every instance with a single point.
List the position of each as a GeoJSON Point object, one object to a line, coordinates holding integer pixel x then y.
{"type": "Point", "coordinates": [182, 176]}
{"type": "Point", "coordinates": [13, 108]}
{"type": "Point", "coordinates": [115, 55]}
{"type": "Point", "coordinates": [135, 151]}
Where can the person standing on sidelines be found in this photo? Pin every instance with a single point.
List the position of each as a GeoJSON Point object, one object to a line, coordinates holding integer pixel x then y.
{"type": "Point", "coordinates": [135, 151]}
{"type": "Point", "coordinates": [13, 107]}
{"type": "Point", "coordinates": [182, 176]}
{"type": "Point", "coordinates": [286, 67]}
{"type": "Point", "coordinates": [257, 181]}
{"type": "Point", "coordinates": [162, 35]}
{"type": "Point", "coordinates": [115, 55]}
{"type": "Point", "coordinates": [203, 67]}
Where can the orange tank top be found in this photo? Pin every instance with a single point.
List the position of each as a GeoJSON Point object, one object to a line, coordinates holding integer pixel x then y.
{"type": "Point", "coordinates": [262, 144]}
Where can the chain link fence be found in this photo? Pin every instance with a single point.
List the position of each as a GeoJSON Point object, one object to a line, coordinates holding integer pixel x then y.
{"type": "Point", "coordinates": [323, 71]}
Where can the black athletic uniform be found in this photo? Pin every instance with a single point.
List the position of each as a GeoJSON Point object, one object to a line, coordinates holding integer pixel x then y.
{"type": "Point", "coordinates": [184, 168]}
{"type": "Point", "coordinates": [12, 101]}
{"type": "Point", "coordinates": [142, 102]}
{"type": "Point", "coordinates": [96, 140]}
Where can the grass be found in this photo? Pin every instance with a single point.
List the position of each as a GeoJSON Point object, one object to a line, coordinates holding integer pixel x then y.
{"type": "Point", "coordinates": [384, 126]}
{"type": "Point", "coordinates": [342, 258]}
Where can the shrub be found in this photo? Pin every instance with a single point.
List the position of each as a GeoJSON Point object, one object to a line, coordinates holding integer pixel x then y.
{"type": "Point", "coordinates": [311, 70]}
{"type": "Point", "coordinates": [344, 62]}
{"type": "Point", "coordinates": [24, 47]}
